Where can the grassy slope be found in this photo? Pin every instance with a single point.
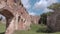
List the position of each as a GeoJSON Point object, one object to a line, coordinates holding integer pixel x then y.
{"type": "Point", "coordinates": [2, 27]}
{"type": "Point", "coordinates": [32, 31]}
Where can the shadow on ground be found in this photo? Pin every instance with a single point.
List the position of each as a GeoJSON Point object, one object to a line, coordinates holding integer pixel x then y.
{"type": "Point", "coordinates": [2, 33]}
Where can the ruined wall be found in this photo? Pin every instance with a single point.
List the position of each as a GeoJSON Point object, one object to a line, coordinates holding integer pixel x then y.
{"type": "Point", "coordinates": [35, 19]}
{"type": "Point", "coordinates": [16, 15]}
{"type": "Point", "coordinates": [24, 19]}
{"type": "Point", "coordinates": [53, 21]}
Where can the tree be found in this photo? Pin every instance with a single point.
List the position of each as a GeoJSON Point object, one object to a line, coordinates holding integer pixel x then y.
{"type": "Point", "coordinates": [43, 18]}
{"type": "Point", "coordinates": [54, 6]}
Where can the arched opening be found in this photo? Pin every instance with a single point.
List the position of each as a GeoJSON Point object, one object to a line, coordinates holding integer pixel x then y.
{"type": "Point", "coordinates": [8, 15]}
{"type": "Point", "coordinates": [2, 24]}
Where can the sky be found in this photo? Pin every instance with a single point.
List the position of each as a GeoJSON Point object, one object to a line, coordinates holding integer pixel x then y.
{"type": "Point", "coordinates": [37, 7]}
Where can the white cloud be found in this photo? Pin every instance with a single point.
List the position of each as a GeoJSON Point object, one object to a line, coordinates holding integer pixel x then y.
{"type": "Point", "coordinates": [41, 4]}
{"type": "Point", "coordinates": [44, 4]}
{"type": "Point", "coordinates": [32, 13]}
{"type": "Point", "coordinates": [47, 10]}
{"type": "Point", "coordinates": [26, 4]}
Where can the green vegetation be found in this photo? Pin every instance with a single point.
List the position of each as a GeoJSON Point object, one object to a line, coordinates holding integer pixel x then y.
{"type": "Point", "coordinates": [54, 6]}
{"type": "Point", "coordinates": [35, 29]}
{"type": "Point", "coordinates": [43, 18]}
{"type": "Point", "coordinates": [2, 28]}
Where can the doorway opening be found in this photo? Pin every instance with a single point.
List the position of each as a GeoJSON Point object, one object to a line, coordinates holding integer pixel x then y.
{"type": "Point", "coordinates": [7, 17]}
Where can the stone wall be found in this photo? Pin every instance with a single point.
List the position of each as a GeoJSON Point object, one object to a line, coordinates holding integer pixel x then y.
{"type": "Point", "coordinates": [53, 21]}
{"type": "Point", "coordinates": [35, 19]}
{"type": "Point", "coordinates": [17, 18]}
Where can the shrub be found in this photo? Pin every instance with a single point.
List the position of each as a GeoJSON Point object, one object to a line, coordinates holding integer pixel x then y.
{"type": "Point", "coordinates": [42, 29]}
{"type": "Point", "coordinates": [49, 30]}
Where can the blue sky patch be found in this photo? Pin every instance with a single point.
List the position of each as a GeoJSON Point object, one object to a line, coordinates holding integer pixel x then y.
{"type": "Point", "coordinates": [37, 7]}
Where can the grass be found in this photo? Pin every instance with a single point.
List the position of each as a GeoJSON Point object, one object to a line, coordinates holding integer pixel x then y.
{"type": "Point", "coordinates": [27, 32]}
{"type": "Point", "coordinates": [34, 28]}
{"type": "Point", "coordinates": [2, 28]}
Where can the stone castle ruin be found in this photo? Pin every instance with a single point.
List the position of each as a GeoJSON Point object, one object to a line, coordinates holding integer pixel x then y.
{"type": "Point", "coordinates": [35, 19]}
{"type": "Point", "coordinates": [53, 21]}
{"type": "Point", "coordinates": [16, 16]}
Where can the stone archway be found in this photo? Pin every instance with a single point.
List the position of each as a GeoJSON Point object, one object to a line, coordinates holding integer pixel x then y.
{"type": "Point", "coordinates": [12, 11]}
{"type": "Point", "coordinates": [9, 16]}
